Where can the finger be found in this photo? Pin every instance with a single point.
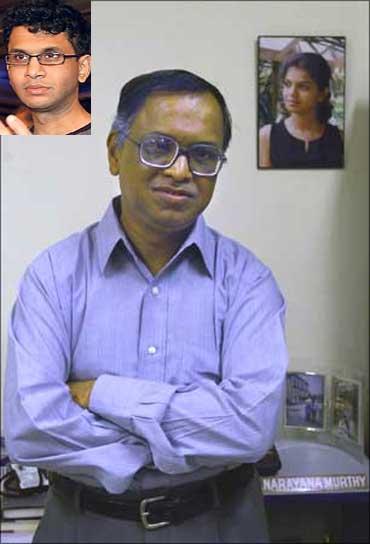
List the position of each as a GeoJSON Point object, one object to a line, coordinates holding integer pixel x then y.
{"type": "Point", "coordinates": [4, 130]}
{"type": "Point", "coordinates": [17, 126]}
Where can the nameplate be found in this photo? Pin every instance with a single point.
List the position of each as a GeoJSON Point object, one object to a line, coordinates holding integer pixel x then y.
{"type": "Point", "coordinates": [314, 484]}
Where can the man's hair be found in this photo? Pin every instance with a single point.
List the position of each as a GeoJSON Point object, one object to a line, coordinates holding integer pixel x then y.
{"type": "Point", "coordinates": [135, 92]}
{"type": "Point", "coordinates": [319, 71]}
{"type": "Point", "coordinates": [51, 16]}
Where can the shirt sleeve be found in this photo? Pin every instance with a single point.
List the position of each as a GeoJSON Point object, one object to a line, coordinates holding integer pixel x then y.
{"type": "Point", "coordinates": [209, 424]}
{"type": "Point", "coordinates": [44, 427]}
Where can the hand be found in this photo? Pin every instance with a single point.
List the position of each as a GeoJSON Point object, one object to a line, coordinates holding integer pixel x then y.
{"type": "Point", "coordinates": [13, 126]}
{"type": "Point", "coordinates": [81, 391]}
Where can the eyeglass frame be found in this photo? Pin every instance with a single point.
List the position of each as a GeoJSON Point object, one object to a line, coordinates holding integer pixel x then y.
{"type": "Point", "coordinates": [181, 150]}
{"type": "Point", "coordinates": [64, 56]}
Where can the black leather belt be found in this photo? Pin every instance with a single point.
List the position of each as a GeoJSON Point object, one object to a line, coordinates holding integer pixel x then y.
{"type": "Point", "coordinates": [158, 507]}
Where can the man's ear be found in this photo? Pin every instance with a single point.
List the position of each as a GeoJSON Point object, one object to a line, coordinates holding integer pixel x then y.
{"type": "Point", "coordinates": [8, 72]}
{"type": "Point", "coordinates": [113, 154]}
{"type": "Point", "coordinates": [84, 68]}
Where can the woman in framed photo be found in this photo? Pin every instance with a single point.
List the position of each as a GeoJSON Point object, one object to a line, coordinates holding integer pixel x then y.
{"type": "Point", "coordinates": [303, 138]}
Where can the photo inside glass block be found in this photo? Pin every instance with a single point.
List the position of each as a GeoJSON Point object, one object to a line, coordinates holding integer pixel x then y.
{"type": "Point", "coordinates": [305, 400]}
{"type": "Point", "coordinates": [346, 395]}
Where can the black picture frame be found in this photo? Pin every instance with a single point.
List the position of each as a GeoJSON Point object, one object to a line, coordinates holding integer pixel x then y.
{"type": "Point", "coordinates": [277, 146]}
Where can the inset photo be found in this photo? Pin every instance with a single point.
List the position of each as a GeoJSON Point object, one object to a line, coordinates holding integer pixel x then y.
{"type": "Point", "coordinates": [45, 65]}
{"type": "Point", "coordinates": [301, 96]}
{"type": "Point", "coordinates": [305, 400]}
{"type": "Point", "coordinates": [346, 408]}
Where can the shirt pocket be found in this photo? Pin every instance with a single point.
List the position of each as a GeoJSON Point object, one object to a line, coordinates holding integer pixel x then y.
{"type": "Point", "coordinates": [199, 362]}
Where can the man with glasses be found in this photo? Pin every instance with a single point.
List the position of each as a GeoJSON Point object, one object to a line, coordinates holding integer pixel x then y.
{"type": "Point", "coordinates": [48, 56]}
{"type": "Point", "coordinates": [147, 353]}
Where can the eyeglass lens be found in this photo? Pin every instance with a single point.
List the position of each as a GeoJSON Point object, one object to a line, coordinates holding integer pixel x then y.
{"type": "Point", "coordinates": [161, 151]}
{"type": "Point", "coordinates": [46, 58]}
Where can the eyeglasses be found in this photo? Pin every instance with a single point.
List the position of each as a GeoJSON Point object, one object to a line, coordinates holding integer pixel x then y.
{"type": "Point", "coordinates": [49, 58]}
{"type": "Point", "coordinates": [162, 151]}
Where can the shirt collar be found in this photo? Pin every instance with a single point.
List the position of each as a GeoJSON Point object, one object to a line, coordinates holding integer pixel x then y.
{"type": "Point", "coordinates": [200, 236]}
{"type": "Point", "coordinates": [109, 233]}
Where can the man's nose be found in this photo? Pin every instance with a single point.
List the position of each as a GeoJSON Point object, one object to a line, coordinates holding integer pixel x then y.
{"type": "Point", "coordinates": [34, 68]}
{"type": "Point", "coordinates": [180, 170]}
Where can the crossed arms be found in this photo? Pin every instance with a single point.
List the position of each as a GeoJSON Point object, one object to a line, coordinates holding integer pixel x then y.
{"type": "Point", "coordinates": [102, 431]}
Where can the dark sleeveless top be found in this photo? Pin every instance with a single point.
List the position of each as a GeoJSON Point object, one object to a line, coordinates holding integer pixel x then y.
{"type": "Point", "coordinates": [286, 151]}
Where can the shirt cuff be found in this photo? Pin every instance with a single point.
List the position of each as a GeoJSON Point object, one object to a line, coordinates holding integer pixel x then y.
{"type": "Point", "coordinates": [122, 399]}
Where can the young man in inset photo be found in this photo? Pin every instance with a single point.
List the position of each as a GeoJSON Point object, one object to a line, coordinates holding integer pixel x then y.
{"type": "Point", "coordinates": [48, 56]}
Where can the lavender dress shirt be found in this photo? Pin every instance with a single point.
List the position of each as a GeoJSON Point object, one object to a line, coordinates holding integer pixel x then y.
{"type": "Point", "coordinates": [189, 363]}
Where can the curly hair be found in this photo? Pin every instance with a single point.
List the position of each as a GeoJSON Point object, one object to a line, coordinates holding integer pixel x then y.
{"type": "Point", "coordinates": [51, 16]}
{"type": "Point", "coordinates": [319, 71]}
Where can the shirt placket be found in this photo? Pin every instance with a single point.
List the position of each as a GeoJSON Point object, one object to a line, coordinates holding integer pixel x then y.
{"type": "Point", "coordinates": [152, 335]}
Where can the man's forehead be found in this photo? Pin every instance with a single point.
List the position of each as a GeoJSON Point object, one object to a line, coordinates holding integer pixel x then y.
{"type": "Point", "coordinates": [168, 98]}
{"type": "Point", "coordinates": [182, 114]}
{"type": "Point", "coordinates": [22, 37]}
{"type": "Point", "coordinates": [179, 103]}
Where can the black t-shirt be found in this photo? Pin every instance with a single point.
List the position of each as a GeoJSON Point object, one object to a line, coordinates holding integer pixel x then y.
{"type": "Point", "coordinates": [81, 131]}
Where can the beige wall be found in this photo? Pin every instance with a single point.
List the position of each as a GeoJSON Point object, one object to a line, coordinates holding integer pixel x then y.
{"type": "Point", "coordinates": [310, 227]}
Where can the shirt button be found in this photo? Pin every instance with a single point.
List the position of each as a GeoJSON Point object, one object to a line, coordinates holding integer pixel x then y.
{"type": "Point", "coordinates": [152, 350]}
{"type": "Point", "coordinates": [155, 290]}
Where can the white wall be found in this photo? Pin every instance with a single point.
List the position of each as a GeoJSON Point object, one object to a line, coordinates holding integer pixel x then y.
{"type": "Point", "coordinates": [310, 227]}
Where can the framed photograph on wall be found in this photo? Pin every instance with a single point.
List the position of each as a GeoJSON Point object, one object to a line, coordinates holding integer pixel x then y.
{"type": "Point", "coordinates": [346, 406]}
{"type": "Point", "coordinates": [301, 95]}
{"type": "Point", "coordinates": [305, 401]}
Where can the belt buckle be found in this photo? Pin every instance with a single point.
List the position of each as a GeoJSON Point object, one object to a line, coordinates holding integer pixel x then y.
{"type": "Point", "coordinates": [144, 513]}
